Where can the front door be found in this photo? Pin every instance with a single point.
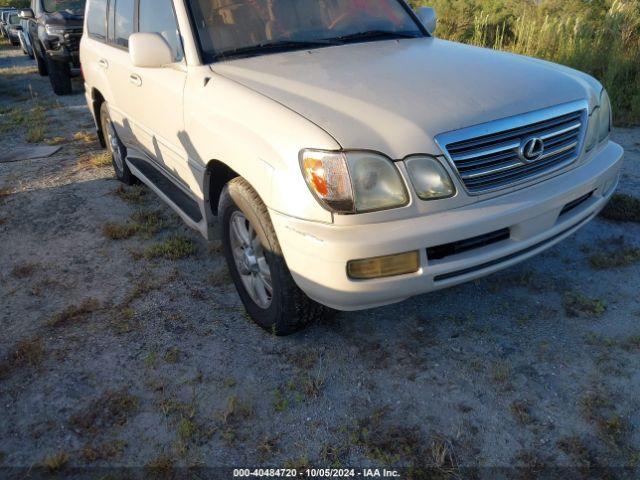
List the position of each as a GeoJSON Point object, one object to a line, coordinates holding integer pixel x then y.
{"type": "Point", "coordinates": [156, 94]}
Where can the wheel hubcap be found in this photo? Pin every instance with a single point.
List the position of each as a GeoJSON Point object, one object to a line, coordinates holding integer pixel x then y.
{"type": "Point", "coordinates": [114, 144]}
{"type": "Point", "coordinates": [250, 260]}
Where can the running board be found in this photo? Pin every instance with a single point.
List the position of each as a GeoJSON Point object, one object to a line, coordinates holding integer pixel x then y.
{"type": "Point", "coordinates": [174, 193]}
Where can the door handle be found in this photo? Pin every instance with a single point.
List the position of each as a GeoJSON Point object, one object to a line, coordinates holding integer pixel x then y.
{"type": "Point", "coordinates": [135, 79]}
{"type": "Point", "coordinates": [103, 63]}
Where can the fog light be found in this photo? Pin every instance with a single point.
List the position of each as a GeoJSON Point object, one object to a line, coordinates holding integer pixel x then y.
{"type": "Point", "coordinates": [387, 266]}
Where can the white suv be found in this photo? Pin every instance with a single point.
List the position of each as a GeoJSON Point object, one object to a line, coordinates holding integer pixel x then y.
{"type": "Point", "coordinates": [353, 159]}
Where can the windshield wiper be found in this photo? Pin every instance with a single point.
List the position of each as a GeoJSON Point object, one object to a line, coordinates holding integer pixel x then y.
{"type": "Point", "coordinates": [376, 35]}
{"type": "Point", "coordinates": [283, 45]}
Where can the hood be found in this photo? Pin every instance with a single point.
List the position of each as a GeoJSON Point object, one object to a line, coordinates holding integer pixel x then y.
{"type": "Point", "coordinates": [65, 18]}
{"type": "Point", "coordinates": [395, 96]}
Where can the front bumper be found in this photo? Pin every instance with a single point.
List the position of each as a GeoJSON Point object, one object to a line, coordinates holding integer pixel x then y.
{"type": "Point", "coordinates": [317, 254]}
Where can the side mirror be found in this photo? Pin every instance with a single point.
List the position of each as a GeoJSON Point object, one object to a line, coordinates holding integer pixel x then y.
{"type": "Point", "coordinates": [26, 13]}
{"type": "Point", "coordinates": [149, 50]}
{"type": "Point", "coordinates": [427, 16]}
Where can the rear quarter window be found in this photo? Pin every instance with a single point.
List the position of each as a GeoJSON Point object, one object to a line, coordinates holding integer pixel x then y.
{"type": "Point", "coordinates": [97, 19]}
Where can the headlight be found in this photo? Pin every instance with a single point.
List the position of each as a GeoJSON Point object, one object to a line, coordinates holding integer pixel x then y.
{"type": "Point", "coordinates": [353, 182]}
{"type": "Point", "coordinates": [600, 122]}
{"type": "Point", "coordinates": [604, 120]}
{"type": "Point", "coordinates": [55, 31]}
{"type": "Point", "coordinates": [429, 178]}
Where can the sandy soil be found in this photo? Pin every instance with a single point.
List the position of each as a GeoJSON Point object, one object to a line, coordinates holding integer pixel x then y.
{"type": "Point", "coordinates": [111, 358]}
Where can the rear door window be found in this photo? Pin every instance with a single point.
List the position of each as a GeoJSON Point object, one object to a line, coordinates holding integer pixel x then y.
{"type": "Point", "coordinates": [97, 19]}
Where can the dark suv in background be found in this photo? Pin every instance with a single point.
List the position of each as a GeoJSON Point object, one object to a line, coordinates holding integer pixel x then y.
{"type": "Point", "coordinates": [4, 20]}
{"type": "Point", "coordinates": [55, 28]}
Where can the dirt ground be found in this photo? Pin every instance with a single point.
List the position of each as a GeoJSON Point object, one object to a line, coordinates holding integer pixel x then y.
{"type": "Point", "coordinates": [119, 350]}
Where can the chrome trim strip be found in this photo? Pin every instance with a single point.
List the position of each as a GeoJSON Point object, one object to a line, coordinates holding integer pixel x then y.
{"type": "Point", "coordinates": [570, 128]}
{"type": "Point", "coordinates": [487, 152]}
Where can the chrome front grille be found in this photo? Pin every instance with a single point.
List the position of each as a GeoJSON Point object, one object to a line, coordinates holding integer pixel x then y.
{"type": "Point", "coordinates": [491, 157]}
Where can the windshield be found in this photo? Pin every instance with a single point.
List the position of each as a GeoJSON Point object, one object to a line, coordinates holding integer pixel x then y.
{"type": "Point", "coordinates": [14, 19]}
{"type": "Point", "coordinates": [71, 6]}
{"type": "Point", "coordinates": [226, 27]}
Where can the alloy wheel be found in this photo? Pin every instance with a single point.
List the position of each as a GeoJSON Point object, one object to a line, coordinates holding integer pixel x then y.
{"type": "Point", "coordinates": [250, 260]}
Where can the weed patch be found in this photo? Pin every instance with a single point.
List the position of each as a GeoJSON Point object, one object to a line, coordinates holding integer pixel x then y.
{"type": "Point", "coordinates": [24, 270]}
{"type": "Point", "coordinates": [174, 248]}
{"type": "Point", "coordinates": [576, 305]}
{"type": "Point", "coordinates": [118, 231]}
{"type": "Point", "coordinates": [27, 353]}
{"type": "Point", "coordinates": [616, 259]}
{"type": "Point", "coordinates": [94, 160]}
{"type": "Point", "coordinates": [74, 313]}
{"type": "Point", "coordinates": [137, 194]}
{"type": "Point", "coordinates": [56, 463]}
{"type": "Point", "coordinates": [622, 208]}
{"type": "Point", "coordinates": [104, 451]}
{"type": "Point", "coordinates": [112, 409]}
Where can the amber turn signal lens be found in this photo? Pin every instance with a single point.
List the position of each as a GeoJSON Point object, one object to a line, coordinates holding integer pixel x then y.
{"type": "Point", "coordinates": [388, 266]}
{"type": "Point", "coordinates": [327, 175]}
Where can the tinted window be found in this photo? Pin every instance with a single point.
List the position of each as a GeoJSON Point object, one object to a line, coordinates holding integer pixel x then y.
{"type": "Point", "coordinates": [157, 16]}
{"type": "Point", "coordinates": [226, 26]}
{"type": "Point", "coordinates": [123, 22]}
{"type": "Point", "coordinates": [71, 6]}
{"type": "Point", "coordinates": [97, 19]}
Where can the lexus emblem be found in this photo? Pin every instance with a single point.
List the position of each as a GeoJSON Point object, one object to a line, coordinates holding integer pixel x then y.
{"type": "Point", "coordinates": [531, 150]}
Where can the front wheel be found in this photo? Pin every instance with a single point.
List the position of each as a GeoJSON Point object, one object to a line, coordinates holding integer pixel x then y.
{"type": "Point", "coordinates": [60, 77]}
{"type": "Point", "coordinates": [41, 63]}
{"type": "Point", "coordinates": [257, 266]}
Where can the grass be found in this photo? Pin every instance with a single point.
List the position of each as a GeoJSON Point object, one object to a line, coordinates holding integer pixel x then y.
{"type": "Point", "coordinates": [94, 160]}
{"type": "Point", "coordinates": [617, 259]}
{"type": "Point", "coordinates": [113, 408]}
{"type": "Point", "coordinates": [25, 269]}
{"type": "Point", "coordinates": [521, 412]}
{"type": "Point", "coordinates": [33, 121]}
{"type": "Point", "coordinates": [26, 353]}
{"type": "Point", "coordinates": [118, 231]}
{"type": "Point", "coordinates": [176, 247]}
{"type": "Point", "coordinates": [162, 466]}
{"type": "Point", "coordinates": [601, 38]}
{"type": "Point", "coordinates": [577, 305]}
{"type": "Point", "coordinates": [145, 223]}
{"type": "Point", "coordinates": [35, 134]}
{"type": "Point", "coordinates": [148, 222]}
{"type": "Point", "coordinates": [104, 451]}
{"type": "Point", "coordinates": [236, 411]}
{"type": "Point", "coordinates": [576, 450]}
{"type": "Point", "coordinates": [136, 194]}
{"type": "Point", "coordinates": [56, 463]}
{"type": "Point", "coordinates": [622, 208]}
{"type": "Point", "coordinates": [74, 313]}
{"type": "Point", "coordinates": [172, 355]}
{"type": "Point", "coordinates": [280, 401]}
{"type": "Point", "coordinates": [86, 138]}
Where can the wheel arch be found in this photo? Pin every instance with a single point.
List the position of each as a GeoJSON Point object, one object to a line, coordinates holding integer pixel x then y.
{"type": "Point", "coordinates": [97, 99]}
{"type": "Point", "coordinates": [217, 175]}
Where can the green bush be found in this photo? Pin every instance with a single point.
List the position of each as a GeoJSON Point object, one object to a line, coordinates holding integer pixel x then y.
{"type": "Point", "coordinates": [600, 37]}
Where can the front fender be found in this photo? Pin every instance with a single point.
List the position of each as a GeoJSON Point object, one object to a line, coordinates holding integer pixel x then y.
{"type": "Point", "coordinates": [256, 137]}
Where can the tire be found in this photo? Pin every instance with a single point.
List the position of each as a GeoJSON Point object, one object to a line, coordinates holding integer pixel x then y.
{"type": "Point", "coordinates": [40, 62]}
{"type": "Point", "coordinates": [115, 147]}
{"type": "Point", "coordinates": [60, 77]}
{"type": "Point", "coordinates": [289, 309]}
